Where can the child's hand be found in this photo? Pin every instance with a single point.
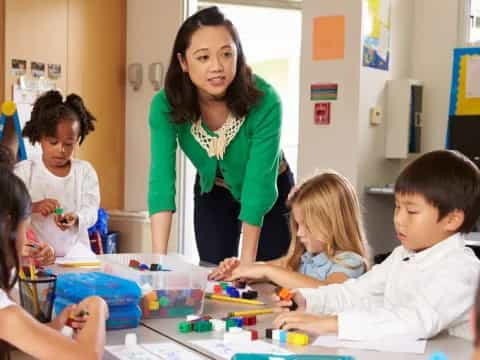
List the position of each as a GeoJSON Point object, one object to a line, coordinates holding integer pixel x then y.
{"type": "Point", "coordinates": [66, 221]}
{"type": "Point", "coordinates": [70, 315]}
{"type": "Point", "coordinates": [257, 271]}
{"type": "Point", "coordinates": [284, 305]}
{"type": "Point", "coordinates": [45, 207]}
{"type": "Point", "coordinates": [94, 304]}
{"type": "Point", "coordinates": [225, 269]}
{"type": "Point", "coordinates": [45, 254]}
{"type": "Point", "coordinates": [313, 324]}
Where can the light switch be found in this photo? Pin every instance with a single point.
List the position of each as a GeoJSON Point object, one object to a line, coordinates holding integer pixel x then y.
{"type": "Point", "coordinates": [376, 115]}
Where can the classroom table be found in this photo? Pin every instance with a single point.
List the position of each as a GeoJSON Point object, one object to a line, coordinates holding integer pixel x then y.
{"type": "Point", "coordinates": [454, 348]}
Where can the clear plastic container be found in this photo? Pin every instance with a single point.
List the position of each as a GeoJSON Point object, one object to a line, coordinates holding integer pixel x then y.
{"type": "Point", "coordinates": [176, 291]}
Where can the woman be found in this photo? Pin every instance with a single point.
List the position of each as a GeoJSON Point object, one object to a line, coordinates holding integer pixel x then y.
{"type": "Point", "coordinates": [227, 121]}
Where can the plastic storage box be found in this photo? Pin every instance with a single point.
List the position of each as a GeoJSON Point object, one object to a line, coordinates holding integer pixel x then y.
{"type": "Point", "coordinates": [176, 291]}
{"type": "Point", "coordinates": [122, 295]}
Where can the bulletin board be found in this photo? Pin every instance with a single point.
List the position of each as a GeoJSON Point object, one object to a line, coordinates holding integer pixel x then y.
{"type": "Point", "coordinates": [465, 89]}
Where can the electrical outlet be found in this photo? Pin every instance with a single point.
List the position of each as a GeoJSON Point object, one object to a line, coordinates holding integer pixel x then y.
{"type": "Point", "coordinates": [376, 115]}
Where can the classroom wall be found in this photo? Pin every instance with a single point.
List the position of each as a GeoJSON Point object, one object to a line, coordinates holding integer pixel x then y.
{"type": "Point", "coordinates": [96, 71]}
{"type": "Point", "coordinates": [88, 39]}
{"type": "Point", "coordinates": [334, 146]}
{"type": "Point", "coordinates": [373, 168]}
{"type": "Point", "coordinates": [148, 40]}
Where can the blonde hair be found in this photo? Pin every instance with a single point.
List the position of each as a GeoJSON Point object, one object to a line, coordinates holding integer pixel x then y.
{"type": "Point", "coordinates": [331, 211]}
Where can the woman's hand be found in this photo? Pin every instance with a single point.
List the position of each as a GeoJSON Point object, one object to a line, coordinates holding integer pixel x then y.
{"type": "Point", "coordinates": [313, 324]}
{"type": "Point", "coordinates": [66, 221]}
{"type": "Point", "coordinates": [45, 207]}
{"type": "Point", "coordinates": [224, 269]}
{"type": "Point", "coordinates": [284, 305]}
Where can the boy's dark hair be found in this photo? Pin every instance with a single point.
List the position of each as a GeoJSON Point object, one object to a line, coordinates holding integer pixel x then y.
{"type": "Point", "coordinates": [448, 180]}
{"type": "Point", "coordinates": [7, 159]}
{"type": "Point", "coordinates": [50, 109]}
{"type": "Point", "coordinates": [242, 93]}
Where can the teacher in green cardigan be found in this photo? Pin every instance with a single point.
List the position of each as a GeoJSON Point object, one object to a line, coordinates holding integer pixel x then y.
{"type": "Point", "coordinates": [227, 121]}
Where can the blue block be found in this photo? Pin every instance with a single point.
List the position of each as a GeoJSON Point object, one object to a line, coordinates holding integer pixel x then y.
{"type": "Point", "coordinates": [283, 336]}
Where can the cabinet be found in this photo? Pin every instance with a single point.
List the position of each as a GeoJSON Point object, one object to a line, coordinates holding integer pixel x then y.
{"type": "Point", "coordinates": [404, 118]}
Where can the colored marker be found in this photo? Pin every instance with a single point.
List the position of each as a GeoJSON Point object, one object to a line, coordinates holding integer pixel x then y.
{"type": "Point", "coordinates": [251, 312]}
{"type": "Point", "coordinates": [32, 246]}
{"type": "Point", "coordinates": [235, 300]}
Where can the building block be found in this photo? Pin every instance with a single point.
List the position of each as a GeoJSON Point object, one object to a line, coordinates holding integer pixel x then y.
{"type": "Point", "coordinates": [269, 333]}
{"type": "Point", "coordinates": [185, 327]}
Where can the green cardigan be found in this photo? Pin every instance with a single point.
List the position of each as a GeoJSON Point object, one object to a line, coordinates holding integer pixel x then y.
{"type": "Point", "coordinates": [249, 166]}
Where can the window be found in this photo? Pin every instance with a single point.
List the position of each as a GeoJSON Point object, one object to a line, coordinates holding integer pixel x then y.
{"type": "Point", "coordinates": [470, 23]}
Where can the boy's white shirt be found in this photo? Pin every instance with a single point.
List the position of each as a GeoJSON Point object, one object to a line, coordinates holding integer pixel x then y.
{"type": "Point", "coordinates": [410, 294]}
{"type": "Point", "coordinates": [78, 192]}
{"type": "Point", "coordinates": [5, 301]}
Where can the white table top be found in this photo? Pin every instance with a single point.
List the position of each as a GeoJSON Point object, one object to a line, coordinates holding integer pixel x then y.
{"type": "Point", "coordinates": [454, 348]}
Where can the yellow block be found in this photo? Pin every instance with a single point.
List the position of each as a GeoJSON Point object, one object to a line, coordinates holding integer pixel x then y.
{"type": "Point", "coordinates": [297, 338]}
{"type": "Point", "coordinates": [9, 108]}
{"type": "Point", "coordinates": [153, 305]}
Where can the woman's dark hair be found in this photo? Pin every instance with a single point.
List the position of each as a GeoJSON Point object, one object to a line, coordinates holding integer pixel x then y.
{"type": "Point", "coordinates": [15, 207]}
{"type": "Point", "coordinates": [50, 109]}
{"type": "Point", "coordinates": [181, 93]}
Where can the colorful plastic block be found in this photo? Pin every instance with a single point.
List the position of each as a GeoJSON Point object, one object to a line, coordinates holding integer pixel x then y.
{"type": "Point", "coordinates": [269, 333]}
{"type": "Point", "coordinates": [143, 267]}
{"type": "Point", "coordinates": [250, 294]}
{"type": "Point", "coordinates": [230, 323]}
{"type": "Point", "coordinates": [232, 292]}
{"type": "Point", "coordinates": [202, 326]}
{"type": "Point", "coordinates": [238, 322]}
{"type": "Point", "coordinates": [254, 334]}
{"type": "Point", "coordinates": [152, 296]}
{"type": "Point", "coordinates": [282, 336]}
{"type": "Point", "coordinates": [217, 289]}
{"type": "Point", "coordinates": [249, 320]}
{"type": "Point", "coordinates": [284, 294]}
{"type": "Point", "coordinates": [276, 334]}
{"type": "Point", "coordinates": [218, 325]}
{"type": "Point", "coordinates": [185, 327]}
{"type": "Point", "coordinates": [296, 338]}
{"type": "Point", "coordinates": [223, 285]}
{"type": "Point", "coordinates": [153, 305]}
{"type": "Point", "coordinates": [134, 263]}
{"type": "Point", "coordinates": [164, 302]}
{"type": "Point", "coordinates": [155, 267]}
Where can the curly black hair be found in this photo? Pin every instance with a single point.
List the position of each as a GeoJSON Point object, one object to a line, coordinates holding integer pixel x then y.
{"type": "Point", "coordinates": [50, 109]}
{"type": "Point", "coordinates": [7, 160]}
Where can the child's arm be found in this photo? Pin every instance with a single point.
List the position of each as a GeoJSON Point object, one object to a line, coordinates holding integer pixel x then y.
{"type": "Point", "coordinates": [21, 330]}
{"type": "Point", "coordinates": [283, 277]}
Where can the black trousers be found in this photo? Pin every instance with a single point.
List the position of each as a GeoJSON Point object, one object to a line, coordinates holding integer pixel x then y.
{"type": "Point", "coordinates": [217, 228]}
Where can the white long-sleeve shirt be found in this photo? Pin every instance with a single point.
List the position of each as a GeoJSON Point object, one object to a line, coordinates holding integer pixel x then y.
{"type": "Point", "coordinates": [410, 294]}
{"type": "Point", "coordinates": [78, 192]}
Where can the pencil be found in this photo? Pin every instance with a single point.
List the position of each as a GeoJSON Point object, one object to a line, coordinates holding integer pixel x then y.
{"type": "Point", "coordinates": [250, 312]}
{"type": "Point", "coordinates": [33, 277]}
{"type": "Point", "coordinates": [232, 299]}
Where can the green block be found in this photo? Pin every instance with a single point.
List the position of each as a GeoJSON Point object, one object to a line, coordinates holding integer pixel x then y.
{"type": "Point", "coordinates": [230, 323]}
{"type": "Point", "coordinates": [180, 311]}
{"type": "Point", "coordinates": [202, 326]}
{"type": "Point", "coordinates": [164, 302]}
{"type": "Point", "coordinates": [223, 285]}
{"type": "Point", "coordinates": [185, 327]}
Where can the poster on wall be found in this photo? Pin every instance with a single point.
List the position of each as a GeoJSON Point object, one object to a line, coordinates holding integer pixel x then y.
{"type": "Point", "coordinates": [376, 34]}
{"type": "Point", "coordinates": [54, 71]}
{"type": "Point", "coordinates": [19, 67]}
{"type": "Point", "coordinates": [38, 69]}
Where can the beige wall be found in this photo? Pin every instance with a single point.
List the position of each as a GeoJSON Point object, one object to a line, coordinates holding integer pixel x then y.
{"type": "Point", "coordinates": [88, 38]}
{"type": "Point", "coordinates": [32, 33]}
{"type": "Point", "coordinates": [96, 71]}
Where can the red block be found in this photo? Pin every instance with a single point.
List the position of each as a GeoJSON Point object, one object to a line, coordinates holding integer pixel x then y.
{"type": "Point", "coordinates": [250, 320]}
{"type": "Point", "coordinates": [217, 289]}
{"type": "Point", "coordinates": [254, 334]}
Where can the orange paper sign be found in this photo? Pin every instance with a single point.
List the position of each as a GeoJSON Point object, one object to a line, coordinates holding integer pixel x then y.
{"type": "Point", "coordinates": [328, 37]}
